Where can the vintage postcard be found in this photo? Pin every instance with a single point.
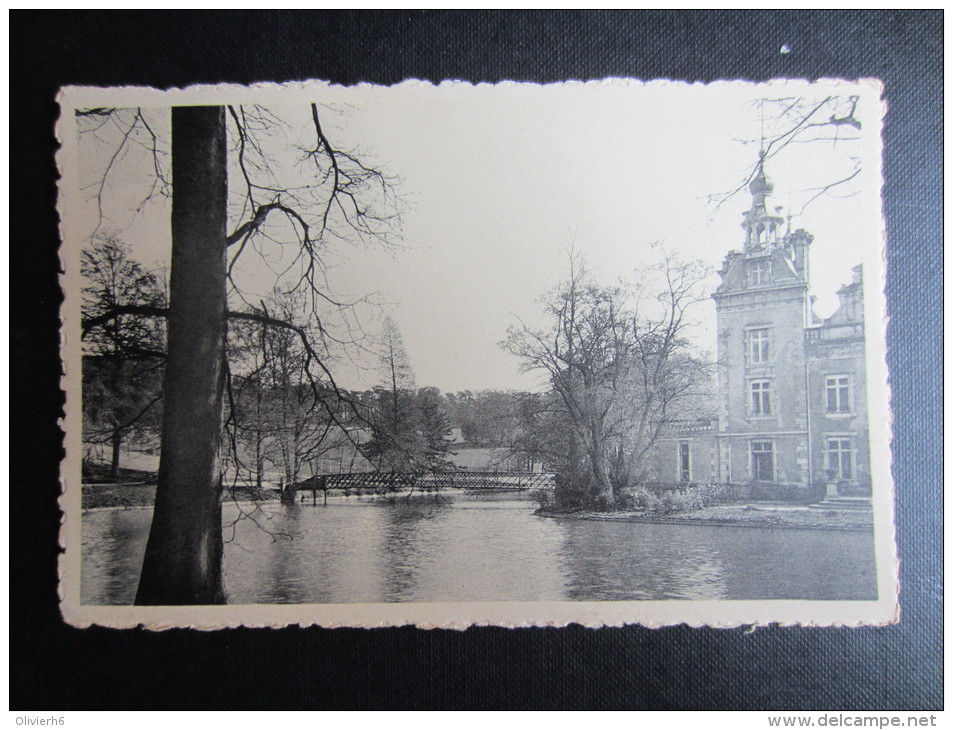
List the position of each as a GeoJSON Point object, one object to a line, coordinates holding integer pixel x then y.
{"type": "Point", "coordinates": [600, 353]}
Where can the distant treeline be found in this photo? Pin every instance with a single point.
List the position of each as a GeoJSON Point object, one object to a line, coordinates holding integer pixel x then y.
{"type": "Point", "coordinates": [484, 417]}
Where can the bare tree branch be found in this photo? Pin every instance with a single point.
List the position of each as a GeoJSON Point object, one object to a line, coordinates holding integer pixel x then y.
{"type": "Point", "coordinates": [799, 121]}
{"type": "Point", "coordinates": [119, 310]}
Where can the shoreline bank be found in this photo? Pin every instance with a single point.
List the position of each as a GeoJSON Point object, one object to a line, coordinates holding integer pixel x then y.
{"type": "Point", "coordinates": [140, 495]}
{"type": "Point", "coordinates": [734, 516]}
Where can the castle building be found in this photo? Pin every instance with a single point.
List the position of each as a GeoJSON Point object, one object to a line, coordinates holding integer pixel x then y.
{"type": "Point", "coordinates": [792, 410]}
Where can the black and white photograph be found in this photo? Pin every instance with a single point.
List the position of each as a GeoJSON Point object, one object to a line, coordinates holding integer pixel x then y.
{"type": "Point", "coordinates": [450, 354]}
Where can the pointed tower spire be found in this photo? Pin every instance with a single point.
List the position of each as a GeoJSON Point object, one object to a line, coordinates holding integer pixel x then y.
{"type": "Point", "coordinates": [761, 228]}
{"type": "Point", "coordinates": [760, 187]}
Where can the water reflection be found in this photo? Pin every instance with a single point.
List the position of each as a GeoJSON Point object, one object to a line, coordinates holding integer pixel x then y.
{"type": "Point", "coordinates": [113, 549]}
{"type": "Point", "coordinates": [408, 523]}
{"type": "Point", "coordinates": [625, 561]}
{"type": "Point", "coordinates": [277, 576]}
{"type": "Point", "coordinates": [486, 548]}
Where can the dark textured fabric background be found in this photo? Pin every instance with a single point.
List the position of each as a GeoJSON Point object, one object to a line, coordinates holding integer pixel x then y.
{"type": "Point", "coordinates": [54, 666]}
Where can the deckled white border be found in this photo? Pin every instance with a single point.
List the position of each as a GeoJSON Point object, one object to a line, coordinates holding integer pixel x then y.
{"type": "Point", "coordinates": [721, 614]}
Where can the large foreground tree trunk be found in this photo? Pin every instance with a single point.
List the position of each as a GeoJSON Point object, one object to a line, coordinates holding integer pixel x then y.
{"type": "Point", "coordinates": [183, 562]}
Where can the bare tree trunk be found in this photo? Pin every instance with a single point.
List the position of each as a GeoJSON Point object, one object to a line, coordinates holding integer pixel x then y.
{"type": "Point", "coordinates": [116, 444]}
{"type": "Point", "coordinates": [259, 461]}
{"type": "Point", "coordinates": [259, 458]}
{"type": "Point", "coordinates": [602, 485]}
{"type": "Point", "coordinates": [183, 562]}
{"type": "Point", "coordinates": [601, 488]}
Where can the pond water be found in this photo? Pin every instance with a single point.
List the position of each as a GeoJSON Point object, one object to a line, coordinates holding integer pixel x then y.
{"type": "Point", "coordinates": [485, 548]}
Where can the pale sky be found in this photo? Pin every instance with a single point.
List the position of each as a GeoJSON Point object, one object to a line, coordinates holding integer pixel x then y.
{"type": "Point", "coordinates": [497, 182]}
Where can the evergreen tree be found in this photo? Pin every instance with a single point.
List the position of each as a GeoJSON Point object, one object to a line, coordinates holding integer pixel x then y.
{"type": "Point", "coordinates": [396, 443]}
{"type": "Point", "coordinates": [435, 428]}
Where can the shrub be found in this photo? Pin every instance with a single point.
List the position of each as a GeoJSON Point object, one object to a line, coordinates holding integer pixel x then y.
{"type": "Point", "coordinates": [711, 493]}
{"type": "Point", "coordinates": [571, 492]}
{"type": "Point", "coordinates": [639, 499]}
{"type": "Point", "coordinates": [668, 499]}
{"type": "Point", "coordinates": [545, 498]}
{"type": "Point", "coordinates": [670, 502]}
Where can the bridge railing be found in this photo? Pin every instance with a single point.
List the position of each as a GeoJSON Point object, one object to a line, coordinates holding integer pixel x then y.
{"type": "Point", "coordinates": [397, 481]}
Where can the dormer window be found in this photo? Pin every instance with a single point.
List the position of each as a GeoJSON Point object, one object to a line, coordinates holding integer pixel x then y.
{"type": "Point", "coordinates": [757, 273]}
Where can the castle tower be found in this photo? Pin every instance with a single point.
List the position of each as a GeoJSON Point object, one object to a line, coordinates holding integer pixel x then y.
{"type": "Point", "coordinates": [762, 309]}
{"type": "Point", "coordinates": [792, 404]}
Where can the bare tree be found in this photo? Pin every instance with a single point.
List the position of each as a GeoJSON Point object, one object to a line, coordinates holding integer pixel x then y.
{"type": "Point", "coordinates": [271, 405]}
{"type": "Point", "coordinates": [213, 225]}
{"type": "Point", "coordinates": [543, 433]}
{"type": "Point", "coordinates": [620, 366]}
{"type": "Point", "coordinates": [123, 355]}
{"type": "Point", "coordinates": [671, 379]}
{"type": "Point", "coordinates": [249, 413]}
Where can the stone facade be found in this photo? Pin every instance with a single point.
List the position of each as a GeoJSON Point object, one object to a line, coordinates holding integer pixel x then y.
{"type": "Point", "coordinates": [792, 411]}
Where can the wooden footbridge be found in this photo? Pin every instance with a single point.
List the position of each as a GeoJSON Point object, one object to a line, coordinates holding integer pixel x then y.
{"type": "Point", "coordinates": [386, 482]}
